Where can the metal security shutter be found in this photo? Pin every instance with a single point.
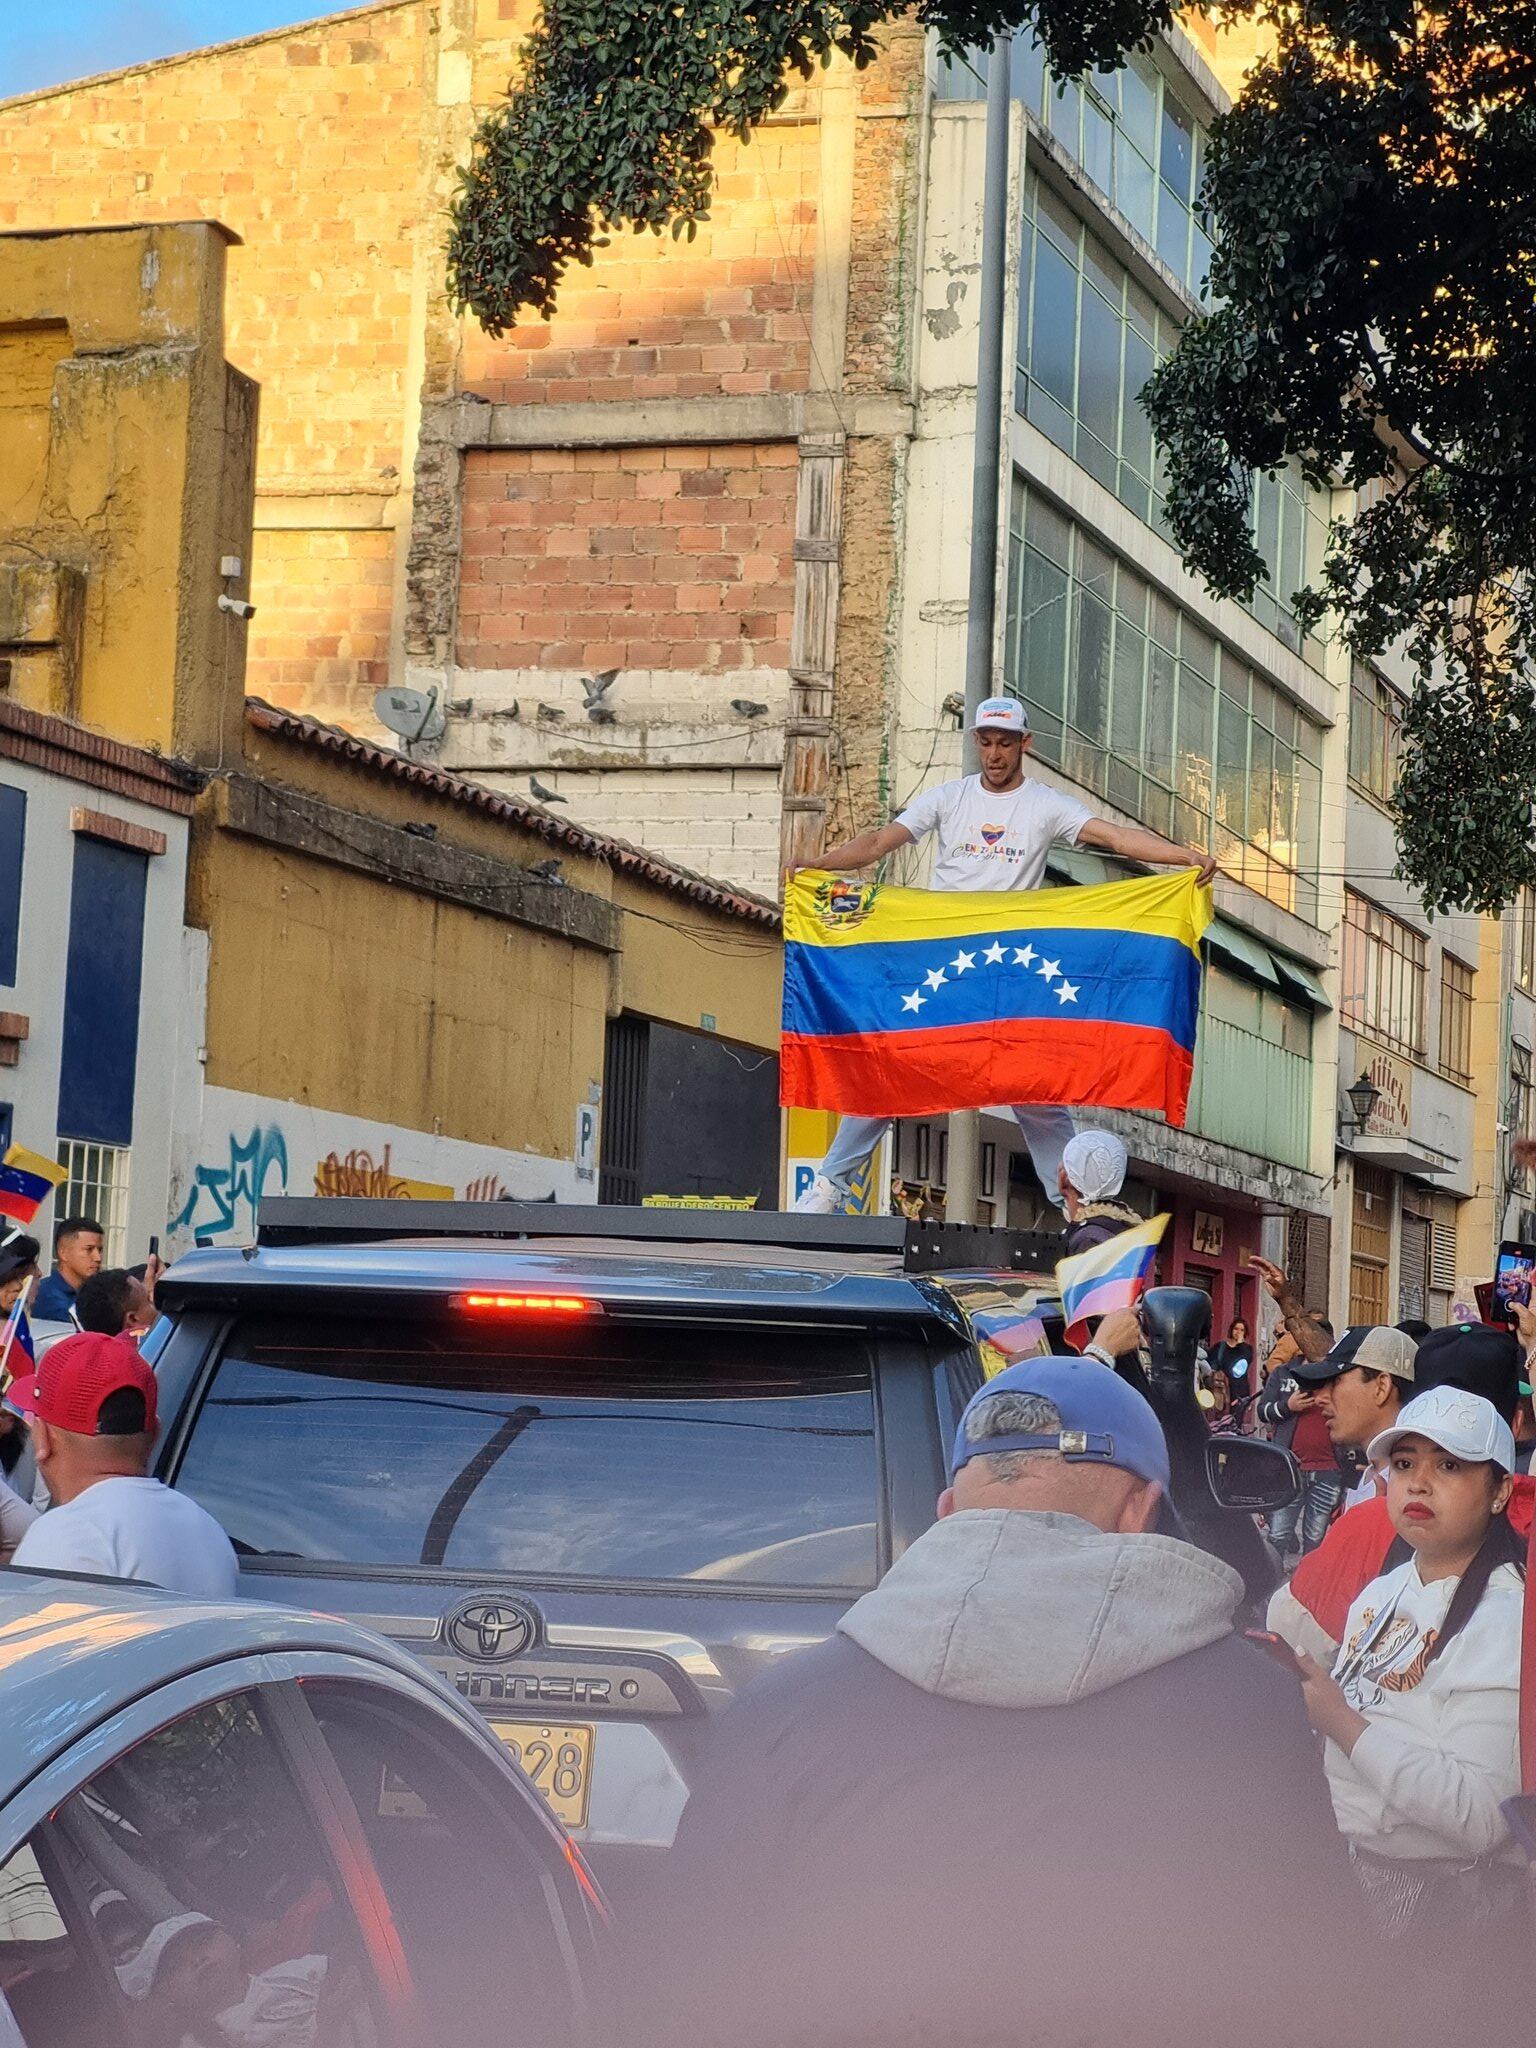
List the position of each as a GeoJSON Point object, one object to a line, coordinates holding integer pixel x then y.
{"type": "Point", "coordinates": [1413, 1268]}
{"type": "Point", "coordinates": [625, 1060]}
{"type": "Point", "coordinates": [1307, 1252]}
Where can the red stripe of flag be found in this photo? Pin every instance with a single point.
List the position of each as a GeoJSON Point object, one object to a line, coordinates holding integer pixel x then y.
{"type": "Point", "coordinates": [964, 1066]}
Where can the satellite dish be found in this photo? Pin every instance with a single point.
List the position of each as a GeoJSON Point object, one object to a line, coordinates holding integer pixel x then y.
{"type": "Point", "coordinates": [414, 715]}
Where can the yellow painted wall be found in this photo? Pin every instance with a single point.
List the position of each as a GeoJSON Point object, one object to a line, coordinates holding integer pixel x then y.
{"type": "Point", "coordinates": [682, 962]}
{"type": "Point", "coordinates": [126, 446]}
{"type": "Point", "coordinates": [356, 995]}
{"type": "Point", "coordinates": [1478, 1221]}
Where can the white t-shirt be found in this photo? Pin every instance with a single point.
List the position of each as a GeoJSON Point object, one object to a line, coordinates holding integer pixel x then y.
{"type": "Point", "coordinates": [987, 841]}
{"type": "Point", "coordinates": [1442, 1751]}
{"type": "Point", "coordinates": [134, 1529]}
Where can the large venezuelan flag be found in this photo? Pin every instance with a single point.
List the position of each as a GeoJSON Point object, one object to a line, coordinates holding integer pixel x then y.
{"type": "Point", "coordinates": [909, 1002]}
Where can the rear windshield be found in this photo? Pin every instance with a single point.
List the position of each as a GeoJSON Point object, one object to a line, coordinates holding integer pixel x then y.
{"type": "Point", "coordinates": [694, 1451]}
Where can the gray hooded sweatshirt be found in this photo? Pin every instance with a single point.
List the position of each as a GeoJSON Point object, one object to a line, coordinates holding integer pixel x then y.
{"type": "Point", "coordinates": [1003, 1607]}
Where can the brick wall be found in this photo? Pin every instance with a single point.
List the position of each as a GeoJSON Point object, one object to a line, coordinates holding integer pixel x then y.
{"type": "Point", "coordinates": [728, 312]}
{"type": "Point", "coordinates": [329, 596]}
{"type": "Point", "coordinates": [306, 143]}
{"type": "Point", "coordinates": [629, 558]}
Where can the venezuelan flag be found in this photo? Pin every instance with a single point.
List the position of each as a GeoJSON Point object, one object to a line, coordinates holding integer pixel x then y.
{"type": "Point", "coordinates": [1108, 1276]}
{"type": "Point", "coordinates": [909, 1002]}
{"type": "Point", "coordinates": [26, 1182]}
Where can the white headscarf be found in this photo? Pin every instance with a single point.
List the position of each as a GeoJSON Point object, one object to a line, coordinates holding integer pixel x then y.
{"type": "Point", "coordinates": [1095, 1163]}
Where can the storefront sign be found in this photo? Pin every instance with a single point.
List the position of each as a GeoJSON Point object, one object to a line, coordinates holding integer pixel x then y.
{"type": "Point", "coordinates": [1207, 1234]}
{"type": "Point", "coordinates": [1393, 1078]}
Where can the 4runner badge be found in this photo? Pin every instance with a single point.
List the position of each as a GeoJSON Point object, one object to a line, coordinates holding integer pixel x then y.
{"type": "Point", "coordinates": [489, 1629]}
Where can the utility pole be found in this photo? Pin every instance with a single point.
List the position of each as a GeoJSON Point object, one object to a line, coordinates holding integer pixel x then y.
{"type": "Point", "coordinates": [961, 1189]}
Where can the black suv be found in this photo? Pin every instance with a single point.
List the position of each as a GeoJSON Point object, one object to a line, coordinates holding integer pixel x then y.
{"type": "Point", "coordinates": [597, 1466]}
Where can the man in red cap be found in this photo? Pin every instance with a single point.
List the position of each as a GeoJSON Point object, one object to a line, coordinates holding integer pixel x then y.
{"type": "Point", "coordinates": [94, 1422]}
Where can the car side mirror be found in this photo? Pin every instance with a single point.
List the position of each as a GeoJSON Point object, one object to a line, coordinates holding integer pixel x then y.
{"type": "Point", "coordinates": [1251, 1475]}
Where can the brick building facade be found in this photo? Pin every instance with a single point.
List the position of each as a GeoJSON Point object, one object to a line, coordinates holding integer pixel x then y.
{"type": "Point", "coordinates": [694, 475]}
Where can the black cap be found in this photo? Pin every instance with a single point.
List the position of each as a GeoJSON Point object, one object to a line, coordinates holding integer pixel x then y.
{"type": "Point", "coordinates": [1474, 1357]}
{"type": "Point", "coordinates": [1371, 1346]}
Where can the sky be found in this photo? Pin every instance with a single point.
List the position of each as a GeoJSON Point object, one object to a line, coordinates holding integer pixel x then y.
{"type": "Point", "coordinates": [45, 42]}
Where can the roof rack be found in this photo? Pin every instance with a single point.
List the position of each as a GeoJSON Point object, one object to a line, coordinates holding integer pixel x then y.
{"type": "Point", "coordinates": [923, 1247]}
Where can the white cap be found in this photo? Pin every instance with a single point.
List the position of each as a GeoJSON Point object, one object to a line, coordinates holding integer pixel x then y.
{"type": "Point", "coordinates": [1003, 714]}
{"type": "Point", "coordinates": [1464, 1424]}
{"type": "Point", "coordinates": [1095, 1163]}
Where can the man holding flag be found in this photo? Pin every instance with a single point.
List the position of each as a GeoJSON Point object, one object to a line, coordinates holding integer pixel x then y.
{"type": "Point", "coordinates": [995, 831]}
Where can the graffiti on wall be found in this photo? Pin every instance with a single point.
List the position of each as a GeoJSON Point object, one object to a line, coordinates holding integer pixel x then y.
{"type": "Point", "coordinates": [224, 1194]}
{"type": "Point", "coordinates": [247, 1164]}
{"type": "Point", "coordinates": [357, 1173]}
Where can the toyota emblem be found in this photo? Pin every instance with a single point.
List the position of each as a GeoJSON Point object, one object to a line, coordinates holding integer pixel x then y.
{"type": "Point", "coordinates": [490, 1629]}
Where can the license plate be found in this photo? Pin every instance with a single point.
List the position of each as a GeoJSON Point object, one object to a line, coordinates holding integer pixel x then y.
{"type": "Point", "coordinates": [557, 1760]}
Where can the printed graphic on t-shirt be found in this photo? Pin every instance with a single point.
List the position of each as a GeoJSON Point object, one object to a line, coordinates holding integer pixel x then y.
{"type": "Point", "coordinates": [1387, 1653]}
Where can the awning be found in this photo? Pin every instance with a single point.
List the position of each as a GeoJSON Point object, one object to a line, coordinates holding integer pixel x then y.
{"type": "Point", "coordinates": [1300, 981]}
{"type": "Point", "coordinates": [1251, 959]}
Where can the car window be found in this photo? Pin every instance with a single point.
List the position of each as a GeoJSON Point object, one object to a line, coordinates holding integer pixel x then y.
{"type": "Point", "coordinates": [187, 1894]}
{"type": "Point", "coordinates": [694, 1451]}
{"type": "Point", "coordinates": [491, 1955]}
{"type": "Point", "coordinates": [53, 1994]}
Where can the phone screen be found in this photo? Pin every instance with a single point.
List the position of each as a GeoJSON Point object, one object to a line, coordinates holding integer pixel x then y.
{"type": "Point", "coordinates": [1513, 1280]}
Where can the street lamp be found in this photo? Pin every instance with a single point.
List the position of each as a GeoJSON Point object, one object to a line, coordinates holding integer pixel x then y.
{"type": "Point", "coordinates": [1363, 1096]}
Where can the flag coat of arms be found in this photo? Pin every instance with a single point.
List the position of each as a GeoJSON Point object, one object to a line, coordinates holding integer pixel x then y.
{"type": "Point", "coordinates": [1107, 1276]}
{"type": "Point", "coordinates": [911, 1002]}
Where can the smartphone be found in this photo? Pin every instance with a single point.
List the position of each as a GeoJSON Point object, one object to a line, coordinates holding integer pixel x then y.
{"type": "Point", "coordinates": [1513, 1278]}
{"type": "Point", "coordinates": [154, 1247]}
{"type": "Point", "coordinates": [1273, 1646]}
{"type": "Point", "coordinates": [1520, 1812]}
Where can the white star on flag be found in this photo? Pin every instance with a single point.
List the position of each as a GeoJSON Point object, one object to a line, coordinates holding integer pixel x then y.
{"type": "Point", "coordinates": [935, 978]}
{"type": "Point", "coordinates": [1023, 956]}
{"type": "Point", "coordinates": [1067, 992]}
{"type": "Point", "coordinates": [993, 955]}
{"type": "Point", "coordinates": [914, 1002]}
{"type": "Point", "coordinates": [1050, 969]}
{"type": "Point", "coordinates": [962, 961]}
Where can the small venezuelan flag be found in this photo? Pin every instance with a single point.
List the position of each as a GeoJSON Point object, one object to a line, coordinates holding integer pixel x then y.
{"type": "Point", "coordinates": [910, 1002]}
{"type": "Point", "coordinates": [1110, 1275]}
{"type": "Point", "coordinates": [26, 1182]}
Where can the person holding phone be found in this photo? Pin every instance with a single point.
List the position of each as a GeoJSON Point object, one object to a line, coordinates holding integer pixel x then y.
{"type": "Point", "coordinates": [1421, 1711]}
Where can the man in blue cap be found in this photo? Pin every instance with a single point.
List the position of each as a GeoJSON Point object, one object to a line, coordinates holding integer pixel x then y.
{"type": "Point", "coordinates": [996, 1805]}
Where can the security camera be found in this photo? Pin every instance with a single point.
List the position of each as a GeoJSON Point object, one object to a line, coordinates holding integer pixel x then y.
{"type": "Point", "coordinates": [237, 607]}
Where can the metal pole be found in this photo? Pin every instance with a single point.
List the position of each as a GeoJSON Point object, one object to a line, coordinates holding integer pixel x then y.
{"type": "Point", "coordinates": [986, 489]}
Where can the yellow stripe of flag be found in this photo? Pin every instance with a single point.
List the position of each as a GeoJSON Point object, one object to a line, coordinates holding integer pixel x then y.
{"type": "Point", "coordinates": [854, 913]}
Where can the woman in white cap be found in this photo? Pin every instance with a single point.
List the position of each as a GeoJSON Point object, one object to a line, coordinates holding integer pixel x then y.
{"type": "Point", "coordinates": [1093, 1167]}
{"type": "Point", "coordinates": [1421, 1714]}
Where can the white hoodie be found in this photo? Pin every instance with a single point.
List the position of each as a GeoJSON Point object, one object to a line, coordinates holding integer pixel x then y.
{"type": "Point", "coordinates": [1007, 1607]}
{"type": "Point", "coordinates": [1443, 1746]}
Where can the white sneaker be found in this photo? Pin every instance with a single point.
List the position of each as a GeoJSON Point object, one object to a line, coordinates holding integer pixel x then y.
{"type": "Point", "coordinates": [821, 1198]}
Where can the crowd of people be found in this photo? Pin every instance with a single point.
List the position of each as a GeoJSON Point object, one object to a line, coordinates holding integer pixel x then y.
{"type": "Point", "coordinates": [1044, 1740]}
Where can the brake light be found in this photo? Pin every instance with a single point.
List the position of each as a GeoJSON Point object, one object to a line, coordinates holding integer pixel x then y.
{"type": "Point", "coordinates": [530, 1305]}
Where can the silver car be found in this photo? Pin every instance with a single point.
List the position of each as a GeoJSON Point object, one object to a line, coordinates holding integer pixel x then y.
{"type": "Point", "coordinates": [227, 1825]}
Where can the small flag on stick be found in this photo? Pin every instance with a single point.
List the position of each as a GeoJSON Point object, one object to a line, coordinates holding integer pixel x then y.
{"type": "Point", "coordinates": [27, 1179]}
{"type": "Point", "coordinates": [1108, 1276]}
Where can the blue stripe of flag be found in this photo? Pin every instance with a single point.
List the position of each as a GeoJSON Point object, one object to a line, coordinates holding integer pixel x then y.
{"type": "Point", "coordinates": [1118, 977]}
{"type": "Point", "coordinates": [15, 1180]}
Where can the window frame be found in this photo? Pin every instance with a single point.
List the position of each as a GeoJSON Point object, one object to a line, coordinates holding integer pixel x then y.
{"type": "Point", "coordinates": [1457, 1002]}
{"type": "Point", "coordinates": [1376, 711]}
{"type": "Point", "coordinates": [1206, 684]}
{"type": "Point", "coordinates": [1384, 961]}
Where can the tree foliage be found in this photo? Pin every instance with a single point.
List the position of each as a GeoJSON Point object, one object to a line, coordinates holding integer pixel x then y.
{"type": "Point", "coordinates": [1373, 309]}
{"type": "Point", "coordinates": [612, 118]}
{"type": "Point", "coordinates": [1373, 197]}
